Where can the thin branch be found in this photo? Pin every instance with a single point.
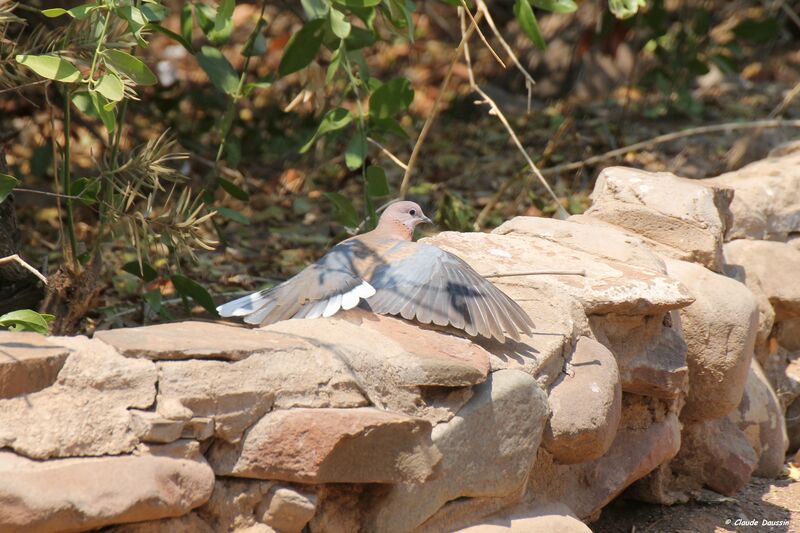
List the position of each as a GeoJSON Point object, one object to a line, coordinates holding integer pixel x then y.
{"type": "Point", "coordinates": [480, 33]}
{"type": "Point", "coordinates": [537, 273]}
{"type": "Point", "coordinates": [21, 262]}
{"type": "Point", "coordinates": [388, 154]}
{"type": "Point", "coordinates": [713, 128]}
{"type": "Point", "coordinates": [406, 183]}
{"type": "Point", "coordinates": [46, 193]}
{"type": "Point", "coordinates": [23, 86]}
{"type": "Point", "coordinates": [483, 10]}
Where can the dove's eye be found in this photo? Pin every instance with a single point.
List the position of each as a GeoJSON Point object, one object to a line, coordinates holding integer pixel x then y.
{"type": "Point", "coordinates": [412, 212]}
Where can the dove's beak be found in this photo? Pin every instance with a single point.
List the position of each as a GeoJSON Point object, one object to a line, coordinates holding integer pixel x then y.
{"type": "Point", "coordinates": [425, 220]}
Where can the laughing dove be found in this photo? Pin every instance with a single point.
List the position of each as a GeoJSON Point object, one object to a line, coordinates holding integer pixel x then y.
{"type": "Point", "coordinates": [394, 276]}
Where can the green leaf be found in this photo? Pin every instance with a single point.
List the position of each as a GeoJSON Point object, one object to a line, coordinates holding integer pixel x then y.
{"type": "Point", "coordinates": [233, 189]}
{"type": "Point", "coordinates": [315, 9]}
{"type": "Point", "coordinates": [390, 98]}
{"type": "Point", "coordinates": [527, 21]}
{"type": "Point", "coordinates": [724, 63]}
{"type": "Point", "coordinates": [218, 69]}
{"type": "Point", "coordinates": [223, 23]}
{"type": "Point", "coordinates": [26, 320]}
{"type": "Point", "coordinates": [55, 12]}
{"type": "Point", "coordinates": [134, 16]}
{"type": "Point", "coordinates": [130, 66]}
{"type": "Point", "coordinates": [145, 271]}
{"type": "Point", "coordinates": [81, 12]}
{"type": "Point", "coordinates": [87, 189]}
{"type": "Point", "coordinates": [340, 26]}
{"type": "Point", "coordinates": [757, 31]}
{"type": "Point", "coordinates": [50, 67]}
{"type": "Point", "coordinates": [256, 44]}
{"type": "Point", "coordinates": [335, 119]}
{"type": "Point", "coordinates": [187, 44]}
{"type": "Point", "coordinates": [388, 125]}
{"type": "Point", "coordinates": [356, 151]}
{"type": "Point", "coordinates": [106, 115]}
{"type": "Point", "coordinates": [195, 291]}
{"type": "Point", "coordinates": [231, 214]}
{"type": "Point", "coordinates": [302, 47]}
{"type": "Point", "coordinates": [336, 61]}
{"type": "Point", "coordinates": [358, 3]}
{"type": "Point", "coordinates": [623, 9]}
{"type": "Point", "coordinates": [377, 185]}
{"type": "Point", "coordinates": [206, 15]}
{"type": "Point", "coordinates": [556, 6]}
{"type": "Point", "coordinates": [262, 83]}
{"type": "Point", "coordinates": [345, 212]}
{"type": "Point", "coordinates": [153, 12]}
{"type": "Point", "coordinates": [6, 184]}
{"type": "Point", "coordinates": [186, 22]}
{"type": "Point", "coordinates": [359, 38]}
{"type": "Point", "coordinates": [110, 86]}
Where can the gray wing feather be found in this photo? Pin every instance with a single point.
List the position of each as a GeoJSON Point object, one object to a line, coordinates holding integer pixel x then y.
{"type": "Point", "coordinates": [432, 285]}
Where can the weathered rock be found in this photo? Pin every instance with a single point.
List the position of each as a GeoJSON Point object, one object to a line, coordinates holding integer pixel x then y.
{"type": "Point", "coordinates": [393, 358]}
{"type": "Point", "coordinates": [192, 340]}
{"type": "Point", "coordinates": [760, 417]}
{"type": "Point", "coordinates": [233, 503]}
{"type": "Point", "coordinates": [608, 286]}
{"type": "Point", "coordinates": [199, 428]}
{"type": "Point", "coordinates": [287, 510]}
{"type": "Point", "coordinates": [94, 492]}
{"type": "Point", "coordinates": [85, 413]}
{"type": "Point", "coordinates": [235, 395]}
{"type": "Point", "coordinates": [716, 454]}
{"type": "Point", "coordinates": [767, 197]}
{"type": "Point", "coordinates": [586, 404]}
{"type": "Point", "coordinates": [28, 363]}
{"type": "Point", "coordinates": [768, 267]}
{"type": "Point", "coordinates": [602, 240]}
{"type": "Point", "coordinates": [508, 411]}
{"type": "Point", "coordinates": [687, 215]}
{"type": "Point", "coordinates": [189, 523]}
{"type": "Point", "coordinates": [792, 417]}
{"type": "Point", "coordinates": [720, 330]}
{"type": "Point", "coordinates": [548, 518]}
{"type": "Point", "coordinates": [649, 436]}
{"type": "Point", "coordinates": [152, 427]}
{"type": "Point", "coordinates": [650, 352]}
{"type": "Point", "coordinates": [339, 509]}
{"type": "Point", "coordinates": [363, 445]}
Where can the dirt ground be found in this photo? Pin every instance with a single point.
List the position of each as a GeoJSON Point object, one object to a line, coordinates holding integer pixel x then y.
{"type": "Point", "coordinates": [763, 505]}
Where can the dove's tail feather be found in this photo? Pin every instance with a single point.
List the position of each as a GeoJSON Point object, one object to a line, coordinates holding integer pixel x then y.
{"type": "Point", "coordinates": [245, 305]}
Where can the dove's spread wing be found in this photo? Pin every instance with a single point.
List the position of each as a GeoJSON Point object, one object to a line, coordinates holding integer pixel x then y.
{"type": "Point", "coordinates": [424, 282]}
{"type": "Point", "coordinates": [321, 289]}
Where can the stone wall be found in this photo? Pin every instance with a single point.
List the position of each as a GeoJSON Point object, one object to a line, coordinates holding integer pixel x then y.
{"type": "Point", "coordinates": [669, 367]}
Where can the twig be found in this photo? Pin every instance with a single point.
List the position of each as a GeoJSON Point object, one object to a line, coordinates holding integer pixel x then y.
{"type": "Point", "coordinates": [388, 154]}
{"type": "Point", "coordinates": [480, 33]}
{"type": "Point", "coordinates": [791, 14]}
{"type": "Point", "coordinates": [713, 128]}
{"type": "Point", "coordinates": [538, 273]}
{"type": "Point", "coordinates": [483, 10]}
{"type": "Point", "coordinates": [412, 160]}
{"type": "Point", "coordinates": [46, 193]}
{"type": "Point", "coordinates": [23, 86]}
{"type": "Point", "coordinates": [20, 261]}
{"type": "Point", "coordinates": [495, 110]}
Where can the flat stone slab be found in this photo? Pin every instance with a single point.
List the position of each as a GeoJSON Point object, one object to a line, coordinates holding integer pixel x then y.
{"type": "Point", "coordinates": [363, 445]}
{"type": "Point", "coordinates": [190, 340]}
{"type": "Point", "coordinates": [28, 363]}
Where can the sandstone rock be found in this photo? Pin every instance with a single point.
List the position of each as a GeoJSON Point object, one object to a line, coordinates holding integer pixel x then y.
{"type": "Point", "coordinates": [393, 358]}
{"type": "Point", "coordinates": [233, 503]}
{"type": "Point", "coordinates": [586, 405]}
{"type": "Point", "coordinates": [608, 287]}
{"type": "Point", "coordinates": [649, 436]}
{"type": "Point", "coordinates": [363, 445]}
{"type": "Point", "coordinates": [760, 417]}
{"type": "Point", "coordinates": [87, 493]}
{"type": "Point", "coordinates": [152, 427]}
{"type": "Point", "coordinates": [189, 523]}
{"type": "Point", "coordinates": [765, 205]}
{"type": "Point", "coordinates": [602, 240]}
{"type": "Point", "coordinates": [508, 412]}
{"type": "Point", "coordinates": [192, 340]}
{"type": "Point", "coordinates": [549, 518]}
{"type": "Point", "coordinates": [339, 509]}
{"type": "Point", "coordinates": [198, 428]}
{"type": "Point", "coordinates": [685, 214]}
{"type": "Point", "coordinates": [28, 363]}
{"type": "Point", "coordinates": [793, 425]}
{"type": "Point", "coordinates": [287, 510]}
{"type": "Point", "coordinates": [720, 329]}
{"type": "Point", "coordinates": [235, 395]}
{"type": "Point", "coordinates": [768, 267]}
{"type": "Point", "coordinates": [86, 412]}
{"type": "Point", "coordinates": [650, 352]}
{"type": "Point", "coordinates": [715, 453]}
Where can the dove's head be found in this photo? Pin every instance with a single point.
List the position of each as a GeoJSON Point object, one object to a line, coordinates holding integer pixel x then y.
{"type": "Point", "coordinates": [403, 217]}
